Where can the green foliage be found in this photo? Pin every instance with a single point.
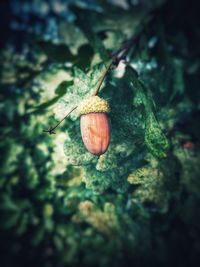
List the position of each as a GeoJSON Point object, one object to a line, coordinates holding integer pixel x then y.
{"type": "Point", "coordinates": [139, 202]}
{"type": "Point", "coordinates": [154, 138]}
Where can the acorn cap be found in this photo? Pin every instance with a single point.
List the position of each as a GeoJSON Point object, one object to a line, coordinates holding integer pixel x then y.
{"type": "Point", "coordinates": [93, 104]}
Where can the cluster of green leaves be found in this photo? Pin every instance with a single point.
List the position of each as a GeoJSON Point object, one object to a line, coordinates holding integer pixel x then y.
{"type": "Point", "coordinates": [61, 205]}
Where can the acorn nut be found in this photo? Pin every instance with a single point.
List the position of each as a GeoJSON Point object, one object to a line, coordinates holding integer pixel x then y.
{"type": "Point", "coordinates": [94, 123]}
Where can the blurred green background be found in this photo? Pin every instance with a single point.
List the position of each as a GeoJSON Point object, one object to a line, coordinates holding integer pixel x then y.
{"type": "Point", "coordinates": [137, 204]}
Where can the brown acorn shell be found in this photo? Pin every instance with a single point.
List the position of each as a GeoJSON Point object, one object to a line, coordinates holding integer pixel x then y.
{"type": "Point", "coordinates": [95, 131]}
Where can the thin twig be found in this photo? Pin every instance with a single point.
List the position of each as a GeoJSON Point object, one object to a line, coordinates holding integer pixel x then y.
{"type": "Point", "coordinates": [102, 79]}
{"type": "Point", "coordinates": [51, 130]}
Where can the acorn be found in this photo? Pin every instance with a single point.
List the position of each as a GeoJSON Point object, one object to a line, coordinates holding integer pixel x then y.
{"type": "Point", "coordinates": [94, 124]}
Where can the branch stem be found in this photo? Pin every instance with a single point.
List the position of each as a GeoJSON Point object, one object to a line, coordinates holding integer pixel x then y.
{"type": "Point", "coordinates": [51, 130]}
{"type": "Point", "coordinates": [102, 79]}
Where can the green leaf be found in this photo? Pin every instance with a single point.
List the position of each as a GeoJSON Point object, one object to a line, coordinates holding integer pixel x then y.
{"type": "Point", "coordinates": [46, 104]}
{"type": "Point", "coordinates": [96, 73]}
{"type": "Point", "coordinates": [57, 53]}
{"type": "Point", "coordinates": [85, 22]}
{"type": "Point", "coordinates": [62, 88]}
{"type": "Point", "coordinates": [75, 151]}
{"type": "Point", "coordinates": [178, 78]}
{"type": "Point", "coordinates": [8, 204]}
{"type": "Point", "coordinates": [72, 36]}
{"type": "Point", "coordinates": [96, 180]}
{"type": "Point", "coordinates": [11, 220]}
{"type": "Point", "coordinates": [59, 91]}
{"type": "Point", "coordinates": [84, 57]}
{"type": "Point", "coordinates": [155, 140]}
{"type": "Point", "coordinates": [38, 236]}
